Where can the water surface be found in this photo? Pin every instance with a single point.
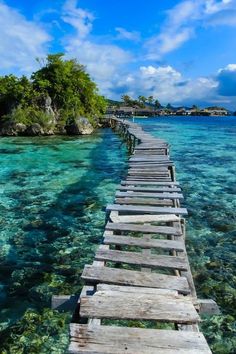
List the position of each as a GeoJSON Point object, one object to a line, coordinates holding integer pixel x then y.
{"type": "Point", "coordinates": [204, 152]}
{"type": "Point", "coordinates": [53, 194]}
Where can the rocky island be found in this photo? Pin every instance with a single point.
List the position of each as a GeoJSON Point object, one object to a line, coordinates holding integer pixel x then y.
{"type": "Point", "coordinates": [59, 98]}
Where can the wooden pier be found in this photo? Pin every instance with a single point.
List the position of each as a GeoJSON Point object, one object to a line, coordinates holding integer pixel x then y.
{"type": "Point", "coordinates": [141, 271]}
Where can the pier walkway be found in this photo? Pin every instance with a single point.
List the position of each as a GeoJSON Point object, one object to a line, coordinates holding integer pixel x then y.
{"type": "Point", "coordinates": [139, 296]}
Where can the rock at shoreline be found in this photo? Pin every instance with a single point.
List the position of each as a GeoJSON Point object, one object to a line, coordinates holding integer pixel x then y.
{"type": "Point", "coordinates": [34, 129]}
{"type": "Point", "coordinates": [13, 129]}
{"type": "Point", "coordinates": [80, 126]}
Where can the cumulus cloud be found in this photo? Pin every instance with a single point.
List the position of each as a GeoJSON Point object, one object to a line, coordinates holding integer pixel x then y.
{"type": "Point", "coordinates": [102, 61]}
{"type": "Point", "coordinates": [176, 30]}
{"type": "Point", "coordinates": [224, 18]}
{"type": "Point", "coordinates": [21, 41]}
{"type": "Point", "coordinates": [213, 6]}
{"type": "Point", "coordinates": [227, 80]}
{"type": "Point", "coordinates": [79, 18]}
{"type": "Point", "coordinates": [127, 35]}
{"type": "Point", "coordinates": [183, 19]}
{"type": "Point", "coordinates": [168, 85]}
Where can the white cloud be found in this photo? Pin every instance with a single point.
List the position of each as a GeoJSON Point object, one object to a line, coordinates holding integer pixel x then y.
{"type": "Point", "coordinates": [79, 18]}
{"type": "Point", "coordinates": [182, 21]}
{"type": "Point", "coordinates": [227, 80]}
{"type": "Point", "coordinates": [229, 67]}
{"type": "Point", "coordinates": [128, 35]}
{"type": "Point", "coordinates": [176, 30]}
{"type": "Point", "coordinates": [168, 85]}
{"type": "Point", "coordinates": [21, 41]}
{"type": "Point", "coordinates": [102, 61]}
{"type": "Point", "coordinates": [213, 6]}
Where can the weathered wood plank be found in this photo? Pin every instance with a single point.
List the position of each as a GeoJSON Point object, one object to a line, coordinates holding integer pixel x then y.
{"type": "Point", "coordinates": [120, 340]}
{"type": "Point", "coordinates": [162, 172]}
{"type": "Point", "coordinates": [147, 158]}
{"type": "Point", "coordinates": [139, 306]}
{"type": "Point", "coordinates": [116, 218]}
{"type": "Point", "coordinates": [164, 195]}
{"type": "Point", "coordinates": [146, 209]}
{"type": "Point", "coordinates": [142, 201]}
{"type": "Point", "coordinates": [138, 156]}
{"type": "Point", "coordinates": [149, 173]}
{"type": "Point", "coordinates": [134, 182]}
{"type": "Point", "coordinates": [158, 167]}
{"type": "Point", "coordinates": [94, 275]}
{"type": "Point", "coordinates": [135, 258]}
{"type": "Point", "coordinates": [143, 243]}
{"type": "Point", "coordinates": [145, 229]}
{"type": "Point", "coordinates": [154, 169]}
{"type": "Point", "coordinates": [155, 189]}
{"type": "Point", "coordinates": [149, 178]}
{"type": "Point", "coordinates": [121, 289]}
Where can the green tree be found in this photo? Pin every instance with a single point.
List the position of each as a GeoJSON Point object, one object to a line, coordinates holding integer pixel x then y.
{"type": "Point", "coordinates": [157, 104]}
{"type": "Point", "coordinates": [127, 100]}
{"type": "Point", "coordinates": [70, 88]}
{"type": "Point", "coordinates": [150, 99]}
{"type": "Point", "coordinates": [14, 91]}
{"type": "Point", "coordinates": [142, 100]}
{"type": "Point", "coordinates": [168, 106]}
{"type": "Point", "coordinates": [66, 82]}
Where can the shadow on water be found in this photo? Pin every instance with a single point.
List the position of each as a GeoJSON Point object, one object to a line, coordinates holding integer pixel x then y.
{"type": "Point", "coordinates": [48, 254]}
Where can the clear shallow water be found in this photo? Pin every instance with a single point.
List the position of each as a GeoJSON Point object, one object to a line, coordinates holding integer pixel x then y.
{"type": "Point", "coordinates": [204, 151]}
{"type": "Point", "coordinates": [53, 193]}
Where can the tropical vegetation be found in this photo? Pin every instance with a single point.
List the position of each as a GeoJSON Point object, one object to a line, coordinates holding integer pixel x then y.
{"type": "Point", "coordinates": [55, 95]}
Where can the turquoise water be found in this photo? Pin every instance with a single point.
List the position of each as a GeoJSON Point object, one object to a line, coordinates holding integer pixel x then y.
{"type": "Point", "coordinates": [204, 151]}
{"type": "Point", "coordinates": [53, 193]}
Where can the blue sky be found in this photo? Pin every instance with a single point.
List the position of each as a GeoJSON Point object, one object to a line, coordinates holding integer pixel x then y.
{"type": "Point", "coordinates": [182, 52]}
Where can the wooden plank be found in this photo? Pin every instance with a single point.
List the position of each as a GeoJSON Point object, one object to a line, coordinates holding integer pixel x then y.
{"type": "Point", "coordinates": [148, 173]}
{"type": "Point", "coordinates": [116, 218]}
{"type": "Point", "coordinates": [94, 275]}
{"type": "Point", "coordinates": [149, 164]}
{"type": "Point", "coordinates": [139, 306]}
{"type": "Point", "coordinates": [151, 156]}
{"type": "Point", "coordinates": [135, 258]}
{"type": "Point", "coordinates": [133, 182]}
{"type": "Point", "coordinates": [144, 201]}
{"type": "Point", "coordinates": [120, 340]}
{"type": "Point", "coordinates": [154, 202]}
{"type": "Point", "coordinates": [151, 147]}
{"type": "Point", "coordinates": [143, 243]}
{"type": "Point", "coordinates": [155, 189]}
{"type": "Point", "coordinates": [160, 150]}
{"type": "Point", "coordinates": [149, 195]}
{"type": "Point", "coordinates": [162, 171]}
{"type": "Point", "coordinates": [146, 209]}
{"type": "Point", "coordinates": [149, 178]}
{"type": "Point", "coordinates": [145, 229]}
{"type": "Point", "coordinates": [118, 289]}
{"type": "Point", "coordinates": [147, 158]}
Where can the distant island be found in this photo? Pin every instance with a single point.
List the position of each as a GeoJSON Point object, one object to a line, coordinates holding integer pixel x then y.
{"type": "Point", "coordinates": [149, 107]}
{"type": "Point", "coordinates": [60, 98]}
